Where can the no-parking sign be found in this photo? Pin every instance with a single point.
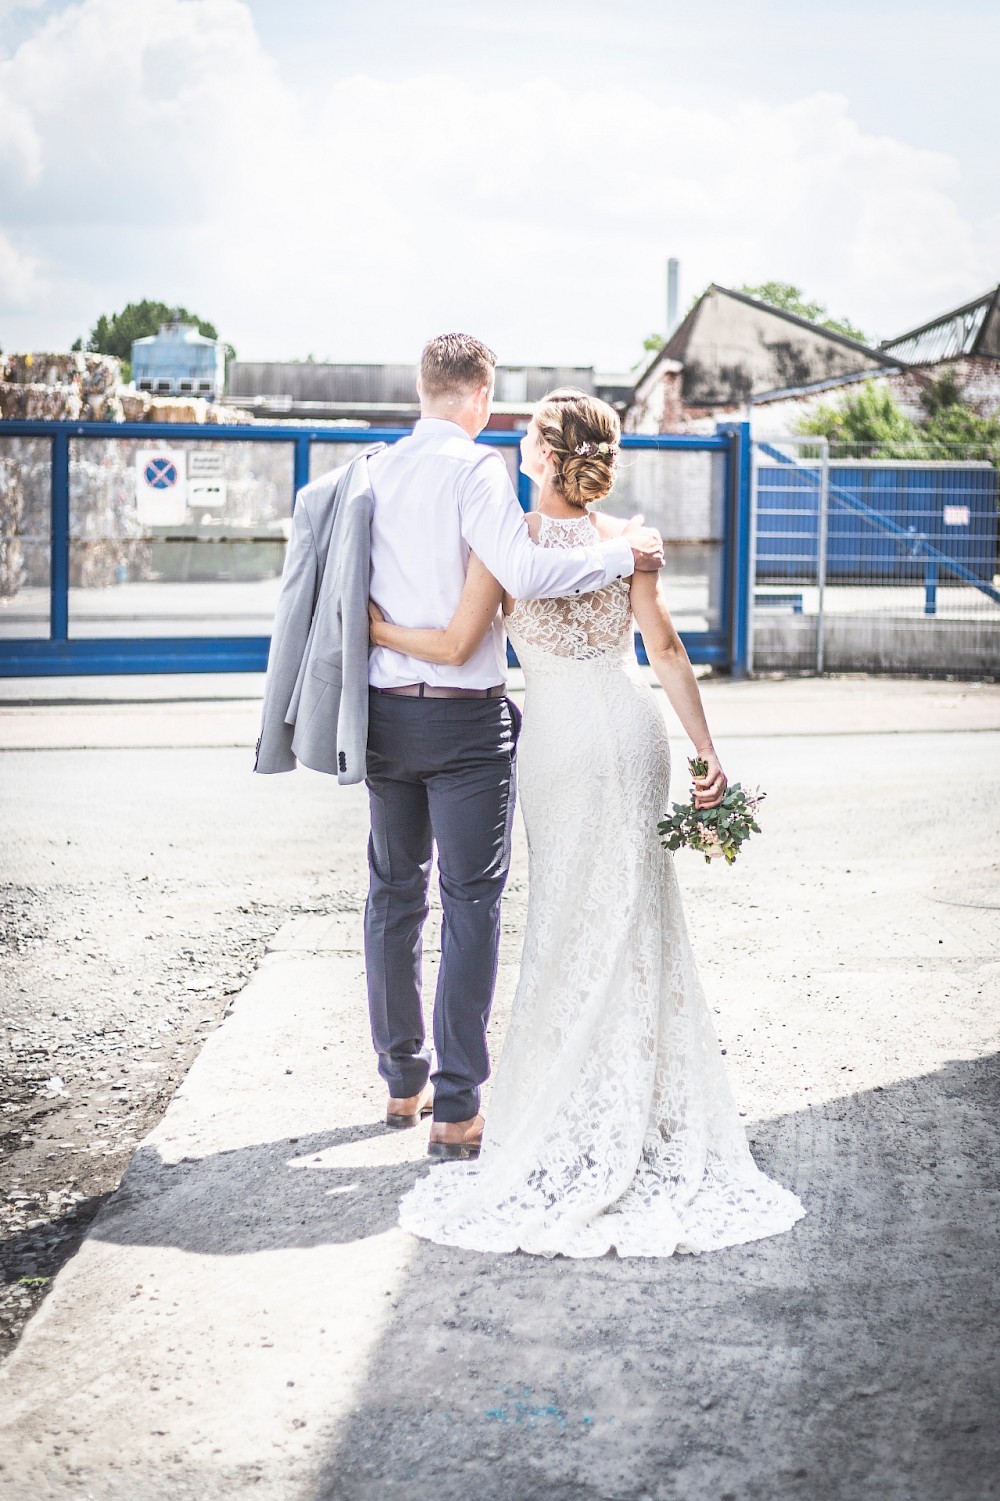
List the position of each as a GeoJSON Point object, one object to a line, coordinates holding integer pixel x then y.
{"type": "Point", "coordinates": [160, 486]}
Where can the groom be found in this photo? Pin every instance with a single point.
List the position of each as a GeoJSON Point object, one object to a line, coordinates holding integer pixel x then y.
{"type": "Point", "coordinates": [441, 740]}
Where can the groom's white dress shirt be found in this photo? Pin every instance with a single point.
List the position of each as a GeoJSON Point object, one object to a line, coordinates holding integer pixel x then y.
{"type": "Point", "coordinates": [438, 497]}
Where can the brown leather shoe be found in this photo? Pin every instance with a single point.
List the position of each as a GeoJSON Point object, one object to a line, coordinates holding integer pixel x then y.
{"type": "Point", "coordinates": [401, 1114]}
{"type": "Point", "coordinates": [456, 1139]}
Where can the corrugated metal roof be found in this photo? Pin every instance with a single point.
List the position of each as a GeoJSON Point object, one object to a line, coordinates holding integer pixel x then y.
{"type": "Point", "coordinates": [965, 330]}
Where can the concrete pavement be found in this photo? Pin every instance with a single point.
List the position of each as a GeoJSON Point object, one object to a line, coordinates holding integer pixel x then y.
{"type": "Point", "coordinates": [245, 1319]}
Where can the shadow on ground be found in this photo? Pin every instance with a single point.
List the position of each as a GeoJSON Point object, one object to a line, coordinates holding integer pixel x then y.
{"type": "Point", "coordinates": [854, 1356]}
{"type": "Point", "coordinates": [258, 1198]}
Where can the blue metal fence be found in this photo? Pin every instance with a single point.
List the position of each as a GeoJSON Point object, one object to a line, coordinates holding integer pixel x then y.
{"type": "Point", "coordinates": [724, 646]}
{"type": "Point", "coordinates": [887, 520]}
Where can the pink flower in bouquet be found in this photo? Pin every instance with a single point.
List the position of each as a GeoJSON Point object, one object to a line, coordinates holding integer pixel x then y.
{"type": "Point", "coordinates": [709, 844]}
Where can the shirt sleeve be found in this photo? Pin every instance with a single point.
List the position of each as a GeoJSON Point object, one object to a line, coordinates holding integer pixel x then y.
{"type": "Point", "coordinates": [494, 527]}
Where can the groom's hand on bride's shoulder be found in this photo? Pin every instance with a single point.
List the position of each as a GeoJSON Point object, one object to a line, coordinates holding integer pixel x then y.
{"type": "Point", "coordinates": [646, 544]}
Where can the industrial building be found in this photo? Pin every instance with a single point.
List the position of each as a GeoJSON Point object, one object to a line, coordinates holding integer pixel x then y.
{"type": "Point", "coordinates": [728, 352]}
{"type": "Point", "coordinates": [386, 395]}
{"type": "Point", "coordinates": [733, 356]}
{"type": "Point", "coordinates": [179, 361]}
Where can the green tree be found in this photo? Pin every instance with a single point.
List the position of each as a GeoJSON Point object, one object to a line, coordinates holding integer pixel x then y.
{"type": "Point", "coordinates": [953, 429]}
{"type": "Point", "coordinates": [870, 419]}
{"type": "Point", "coordinates": [790, 299]}
{"type": "Point", "coordinates": [874, 425]}
{"type": "Point", "coordinates": [959, 432]}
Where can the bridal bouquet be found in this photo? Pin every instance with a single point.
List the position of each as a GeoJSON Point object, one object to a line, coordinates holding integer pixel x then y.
{"type": "Point", "coordinates": [713, 831]}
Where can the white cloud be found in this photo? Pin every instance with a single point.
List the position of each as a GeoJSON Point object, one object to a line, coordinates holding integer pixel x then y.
{"type": "Point", "coordinates": [157, 151]}
{"type": "Point", "coordinates": [19, 282]}
{"type": "Point", "coordinates": [20, 143]}
{"type": "Point", "coordinates": [7, 7]}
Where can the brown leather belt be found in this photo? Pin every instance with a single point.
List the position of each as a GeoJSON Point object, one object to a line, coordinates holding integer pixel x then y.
{"type": "Point", "coordinates": [428, 690]}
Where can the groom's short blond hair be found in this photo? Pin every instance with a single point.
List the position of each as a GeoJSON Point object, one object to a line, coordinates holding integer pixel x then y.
{"type": "Point", "coordinates": [455, 364]}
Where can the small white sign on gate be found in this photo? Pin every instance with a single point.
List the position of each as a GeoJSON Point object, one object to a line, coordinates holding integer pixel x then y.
{"type": "Point", "coordinates": [956, 515]}
{"type": "Point", "coordinates": [206, 463]}
{"type": "Point", "coordinates": [206, 496]}
{"type": "Point", "coordinates": [160, 487]}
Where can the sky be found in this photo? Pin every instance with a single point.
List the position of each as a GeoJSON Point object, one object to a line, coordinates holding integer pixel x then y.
{"type": "Point", "coordinates": [344, 180]}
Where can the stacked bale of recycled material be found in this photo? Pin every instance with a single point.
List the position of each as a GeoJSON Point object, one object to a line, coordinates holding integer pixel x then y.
{"type": "Point", "coordinates": [34, 402]}
{"type": "Point", "coordinates": [135, 406]}
{"type": "Point", "coordinates": [24, 484]}
{"type": "Point", "coordinates": [108, 545]}
{"type": "Point", "coordinates": [140, 406]}
{"type": "Point", "coordinates": [105, 541]}
{"type": "Point", "coordinates": [86, 387]}
{"type": "Point", "coordinates": [66, 387]}
{"type": "Point", "coordinates": [11, 526]}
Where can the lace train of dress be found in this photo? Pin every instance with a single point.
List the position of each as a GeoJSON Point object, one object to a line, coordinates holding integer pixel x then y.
{"type": "Point", "coordinates": [611, 1122]}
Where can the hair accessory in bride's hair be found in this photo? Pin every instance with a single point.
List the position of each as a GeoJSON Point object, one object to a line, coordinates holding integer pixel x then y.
{"type": "Point", "coordinates": [589, 450]}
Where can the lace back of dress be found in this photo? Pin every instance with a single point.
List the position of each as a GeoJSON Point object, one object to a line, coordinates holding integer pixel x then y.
{"type": "Point", "coordinates": [581, 626]}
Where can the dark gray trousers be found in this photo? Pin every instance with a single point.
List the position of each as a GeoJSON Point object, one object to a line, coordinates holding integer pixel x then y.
{"type": "Point", "coordinates": [440, 772]}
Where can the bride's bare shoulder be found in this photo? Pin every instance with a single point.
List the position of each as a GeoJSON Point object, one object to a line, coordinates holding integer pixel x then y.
{"type": "Point", "coordinates": [607, 526]}
{"type": "Point", "coordinates": [534, 520]}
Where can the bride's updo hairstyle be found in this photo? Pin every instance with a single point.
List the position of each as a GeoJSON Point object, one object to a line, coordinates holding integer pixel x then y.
{"type": "Point", "coordinates": [583, 434]}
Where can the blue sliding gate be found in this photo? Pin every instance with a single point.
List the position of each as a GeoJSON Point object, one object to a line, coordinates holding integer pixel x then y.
{"type": "Point", "coordinates": [714, 546]}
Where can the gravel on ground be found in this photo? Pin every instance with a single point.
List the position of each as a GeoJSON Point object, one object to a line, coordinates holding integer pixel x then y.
{"type": "Point", "coordinates": [137, 893]}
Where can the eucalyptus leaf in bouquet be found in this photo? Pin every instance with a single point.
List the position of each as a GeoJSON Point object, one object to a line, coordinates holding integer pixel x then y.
{"type": "Point", "coordinates": [712, 832]}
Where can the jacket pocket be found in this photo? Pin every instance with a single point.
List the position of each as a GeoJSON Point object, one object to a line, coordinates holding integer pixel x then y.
{"type": "Point", "coordinates": [328, 670]}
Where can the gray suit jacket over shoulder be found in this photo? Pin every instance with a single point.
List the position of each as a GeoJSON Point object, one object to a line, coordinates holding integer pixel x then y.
{"type": "Point", "coordinates": [316, 693]}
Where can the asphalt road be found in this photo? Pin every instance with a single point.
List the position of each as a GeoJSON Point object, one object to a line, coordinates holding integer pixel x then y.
{"type": "Point", "coordinates": [244, 1317]}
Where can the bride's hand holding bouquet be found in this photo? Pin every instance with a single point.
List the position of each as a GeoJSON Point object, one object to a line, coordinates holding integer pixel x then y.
{"type": "Point", "coordinates": [720, 830]}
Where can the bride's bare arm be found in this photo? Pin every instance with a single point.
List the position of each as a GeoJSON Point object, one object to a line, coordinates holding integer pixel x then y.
{"type": "Point", "coordinates": [474, 614]}
{"type": "Point", "coordinates": [672, 666]}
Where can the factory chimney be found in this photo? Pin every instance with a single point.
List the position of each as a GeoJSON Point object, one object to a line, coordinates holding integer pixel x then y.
{"type": "Point", "coordinates": [673, 282]}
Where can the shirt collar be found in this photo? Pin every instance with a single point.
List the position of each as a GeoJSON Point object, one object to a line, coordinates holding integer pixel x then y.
{"type": "Point", "coordinates": [440, 427]}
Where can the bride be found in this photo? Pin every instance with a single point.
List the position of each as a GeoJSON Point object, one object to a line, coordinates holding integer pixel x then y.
{"type": "Point", "coordinates": [611, 1121]}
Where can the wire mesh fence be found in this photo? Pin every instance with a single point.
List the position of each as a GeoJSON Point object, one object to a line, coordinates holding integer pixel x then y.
{"type": "Point", "coordinates": [884, 563]}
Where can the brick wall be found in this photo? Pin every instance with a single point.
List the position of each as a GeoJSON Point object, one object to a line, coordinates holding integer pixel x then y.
{"type": "Point", "coordinates": [979, 380]}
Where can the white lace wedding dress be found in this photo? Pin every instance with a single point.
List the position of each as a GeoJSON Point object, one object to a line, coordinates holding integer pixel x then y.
{"type": "Point", "coordinates": [611, 1122]}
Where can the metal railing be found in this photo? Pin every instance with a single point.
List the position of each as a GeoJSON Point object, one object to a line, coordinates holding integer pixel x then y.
{"type": "Point", "coordinates": [708, 554]}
